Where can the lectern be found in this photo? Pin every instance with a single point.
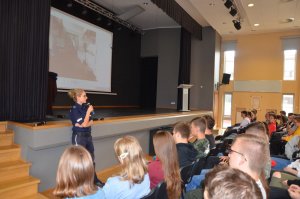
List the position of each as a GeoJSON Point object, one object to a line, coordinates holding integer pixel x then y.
{"type": "Point", "coordinates": [185, 96]}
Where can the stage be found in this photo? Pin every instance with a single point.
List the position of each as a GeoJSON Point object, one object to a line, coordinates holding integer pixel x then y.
{"type": "Point", "coordinates": [43, 145]}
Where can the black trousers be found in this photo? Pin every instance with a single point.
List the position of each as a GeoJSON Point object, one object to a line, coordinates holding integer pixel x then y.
{"type": "Point", "coordinates": [86, 140]}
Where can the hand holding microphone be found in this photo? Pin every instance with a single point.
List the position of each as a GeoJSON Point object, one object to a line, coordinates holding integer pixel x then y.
{"type": "Point", "coordinates": [91, 108]}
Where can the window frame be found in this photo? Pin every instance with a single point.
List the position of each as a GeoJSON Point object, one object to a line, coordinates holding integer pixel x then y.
{"type": "Point", "coordinates": [225, 63]}
{"type": "Point", "coordinates": [295, 65]}
{"type": "Point", "coordinates": [226, 117]}
{"type": "Point", "coordinates": [288, 94]}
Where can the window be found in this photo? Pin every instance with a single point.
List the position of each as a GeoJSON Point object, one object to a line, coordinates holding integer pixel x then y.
{"type": "Point", "coordinates": [289, 65]}
{"type": "Point", "coordinates": [226, 121]}
{"type": "Point", "coordinates": [288, 103]}
{"type": "Point", "coordinates": [229, 62]}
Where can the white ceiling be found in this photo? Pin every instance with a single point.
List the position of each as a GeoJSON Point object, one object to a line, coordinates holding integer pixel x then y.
{"type": "Point", "coordinates": [272, 15]}
{"type": "Point", "coordinates": [152, 17]}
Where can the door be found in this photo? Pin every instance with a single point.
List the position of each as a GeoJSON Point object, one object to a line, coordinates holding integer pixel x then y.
{"type": "Point", "coordinates": [148, 82]}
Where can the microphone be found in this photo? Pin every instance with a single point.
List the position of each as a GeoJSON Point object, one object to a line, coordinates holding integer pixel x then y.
{"type": "Point", "coordinates": [88, 104]}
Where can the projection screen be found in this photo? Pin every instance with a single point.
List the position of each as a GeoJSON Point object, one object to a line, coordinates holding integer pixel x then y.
{"type": "Point", "coordinates": [80, 53]}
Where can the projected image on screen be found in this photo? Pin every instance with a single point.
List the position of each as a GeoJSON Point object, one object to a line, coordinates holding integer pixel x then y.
{"type": "Point", "coordinates": [80, 53]}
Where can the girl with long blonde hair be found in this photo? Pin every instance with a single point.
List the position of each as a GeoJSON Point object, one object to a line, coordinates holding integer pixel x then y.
{"type": "Point", "coordinates": [166, 166]}
{"type": "Point", "coordinates": [133, 182]}
{"type": "Point", "coordinates": [75, 175]}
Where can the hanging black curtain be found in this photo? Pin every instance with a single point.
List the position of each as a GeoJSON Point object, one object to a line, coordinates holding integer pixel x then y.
{"type": "Point", "coordinates": [24, 47]}
{"type": "Point", "coordinates": [176, 12]}
{"type": "Point", "coordinates": [184, 63]}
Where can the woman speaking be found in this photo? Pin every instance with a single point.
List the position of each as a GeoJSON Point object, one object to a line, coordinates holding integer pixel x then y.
{"type": "Point", "coordinates": [80, 115]}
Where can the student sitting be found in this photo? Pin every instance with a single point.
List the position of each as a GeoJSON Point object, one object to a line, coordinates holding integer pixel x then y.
{"type": "Point", "coordinates": [186, 152]}
{"type": "Point", "coordinates": [210, 123]}
{"type": "Point", "coordinates": [198, 126]}
{"type": "Point", "coordinates": [293, 173]}
{"type": "Point", "coordinates": [228, 183]}
{"type": "Point", "coordinates": [165, 167]}
{"type": "Point", "coordinates": [297, 132]}
{"type": "Point", "coordinates": [272, 124]}
{"type": "Point", "coordinates": [75, 175]}
{"type": "Point", "coordinates": [133, 181]}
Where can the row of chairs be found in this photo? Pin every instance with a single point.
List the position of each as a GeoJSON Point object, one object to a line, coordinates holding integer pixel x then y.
{"type": "Point", "coordinates": [189, 171]}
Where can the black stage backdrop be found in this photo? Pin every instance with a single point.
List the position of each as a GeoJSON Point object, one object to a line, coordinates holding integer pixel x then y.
{"type": "Point", "coordinates": [24, 41]}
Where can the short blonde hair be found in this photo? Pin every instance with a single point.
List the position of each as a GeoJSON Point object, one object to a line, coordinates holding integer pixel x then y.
{"type": "Point", "coordinates": [254, 148]}
{"type": "Point", "coordinates": [132, 159]}
{"type": "Point", "coordinates": [75, 173]}
{"type": "Point", "coordinates": [74, 93]}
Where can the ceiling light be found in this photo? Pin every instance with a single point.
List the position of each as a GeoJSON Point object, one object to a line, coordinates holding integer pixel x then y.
{"type": "Point", "coordinates": [228, 3]}
{"type": "Point", "coordinates": [288, 20]}
{"type": "Point", "coordinates": [256, 24]}
{"type": "Point", "coordinates": [237, 24]}
{"type": "Point", "coordinates": [250, 5]}
{"type": "Point", "coordinates": [233, 11]}
{"type": "Point", "coordinates": [291, 19]}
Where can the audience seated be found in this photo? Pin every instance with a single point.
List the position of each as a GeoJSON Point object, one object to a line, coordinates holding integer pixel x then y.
{"type": "Point", "coordinates": [297, 132]}
{"type": "Point", "coordinates": [75, 175]}
{"type": "Point", "coordinates": [280, 179]}
{"type": "Point", "coordinates": [231, 132]}
{"type": "Point", "coordinates": [246, 119]}
{"type": "Point", "coordinates": [210, 123]}
{"type": "Point", "coordinates": [165, 167]}
{"type": "Point", "coordinates": [272, 123]}
{"type": "Point", "coordinates": [279, 140]}
{"type": "Point", "coordinates": [186, 152]}
{"type": "Point", "coordinates": [259, 129]}
{"type": "Point", "coordinates": [284, 118]}
{"type": "Point", "coordinates": [248, 154]}
{"type": "Point", "coordinates": [228, 183]}
{"type": "Point", "coordinates": [253, 117]}
{"type": "Point", "coordinates": [198, 126]}
{"type": "Point", "coordinates": [133, 181]}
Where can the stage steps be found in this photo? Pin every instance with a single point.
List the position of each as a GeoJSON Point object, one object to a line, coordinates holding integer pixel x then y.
{"type": "Point", "coordinates": [7, 138]}
{"type": "Point", "coordinates": [15, 181]}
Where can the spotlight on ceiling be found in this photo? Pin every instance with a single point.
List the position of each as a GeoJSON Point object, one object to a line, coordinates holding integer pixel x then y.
{"type": "Point", "coordinates": [69, 4]}
{"type": "Point", "coordinates": [99, 18]}
{"type": "Point", "coordinates": [237, 24]}
{"type": "Point", "coordinates": [228, 3]}
{"type": "Point", "coordinates": [233, 11]}
{"type": "Point", "coordinates": [109, 23]}
{"type": "Point", "coordinates": [84, 12]}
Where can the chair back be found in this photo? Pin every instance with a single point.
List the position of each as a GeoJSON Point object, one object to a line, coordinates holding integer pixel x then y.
{"type": "Point", "coordinates": [198, 166]}
{"type": "Point", "coordinates": [186, 173]}
{"type": "Point", "coordinates": [159, 192]}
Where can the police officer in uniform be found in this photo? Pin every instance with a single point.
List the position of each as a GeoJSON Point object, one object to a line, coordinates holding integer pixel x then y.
{"type": "Point", "coordinates": [80, 115]}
